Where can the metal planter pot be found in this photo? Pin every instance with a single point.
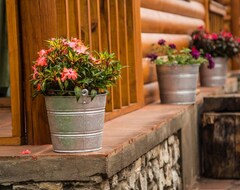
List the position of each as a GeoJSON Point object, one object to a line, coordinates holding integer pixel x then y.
{"type": "Point", "coordinates": [216, 76]}
{"type": "Point", "coordinates": [177, 83]}
{"type": "Point", "coordinates": [76, 126]}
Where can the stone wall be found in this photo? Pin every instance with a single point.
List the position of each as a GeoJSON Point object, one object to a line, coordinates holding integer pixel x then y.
{"type": "Point", "coordinates": [157, 169]}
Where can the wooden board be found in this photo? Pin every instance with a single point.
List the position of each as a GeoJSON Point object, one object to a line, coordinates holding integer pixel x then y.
{"type": "Point", "coordinates": [191, 9]}
{"type": "Point", "coordinates": [149, 71]}
{"type": "Point", "coordinates": [160, 22]}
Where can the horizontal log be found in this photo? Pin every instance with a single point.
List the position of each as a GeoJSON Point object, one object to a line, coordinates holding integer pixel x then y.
{"type": "Point", "coordinates": [151, 92]}
{"type": "Point", "coordinates": [161, 22]}
{"type": "Point", "coordinates": [148, 39]}
{"type": "Point", "coordinates": [149, 71]}
{"type": "Point", "coordinates": [200, 1]}
{"type": "Point", "coordinates": [190, 9]}
{"type": "Point", "coordinates": [217, 8]}
{"type": "Point", "coordinates": [226, 2]}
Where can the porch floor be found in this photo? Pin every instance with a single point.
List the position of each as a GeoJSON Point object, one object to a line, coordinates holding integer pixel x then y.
{"type": "Point", "coordinates": [216, 184]}
{"type": "Point", "coordinates": [5, 122]}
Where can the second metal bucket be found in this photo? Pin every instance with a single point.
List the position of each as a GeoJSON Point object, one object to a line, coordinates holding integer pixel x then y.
{"type": "Point", "coordinates": [177, 83]}
{"type": "Point", "coordinates": [76, 126]}
{"type": "Point", "coordinates": [216, 76]}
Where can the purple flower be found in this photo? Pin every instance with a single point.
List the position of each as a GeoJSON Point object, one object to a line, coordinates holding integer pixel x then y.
{"type": "Point", "coordinates": [152, 56]}
{"type": "Point", "coordinates": [172, 46]}
{"type": "Point", "coordinates": [211, 63]}
{"type": "Point", "coordinates": [195, 53]}
{"type": "Point", "coordinates": [161, 42]}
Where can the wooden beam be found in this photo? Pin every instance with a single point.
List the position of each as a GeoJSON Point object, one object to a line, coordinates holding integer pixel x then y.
{"type": "Point", "coordinates": [191, 9]}
{"type": "Point", "coordinates": [235, 14]}
{"type": "Point", "coordinates": [15, 69]}
{"type": "Point", "coordinates": [161, 22]}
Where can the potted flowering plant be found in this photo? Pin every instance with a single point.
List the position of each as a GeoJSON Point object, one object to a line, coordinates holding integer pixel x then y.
{"type": "Point", "coordinates": [177, 72]}
{"type": "Point", "coordinates": [74, 82]}
{"type": "Point", "coordinates": [220, 46]}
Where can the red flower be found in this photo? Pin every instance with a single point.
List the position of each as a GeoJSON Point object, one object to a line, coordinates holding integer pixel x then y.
{"type": "Point", "coordinates": [214, 36]}
{"type": "Point", "coordinates": [41, 61]}
{"type": "Point", "coordinates": [68, 74]}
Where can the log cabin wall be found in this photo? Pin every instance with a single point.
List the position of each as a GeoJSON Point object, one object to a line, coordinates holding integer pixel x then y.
{"type": "Point", "coordinates": [217, 13]}
{"type": "Point", "coordinates": [170, 20]}
{"type": "Point", "coordinates": [112, 25]}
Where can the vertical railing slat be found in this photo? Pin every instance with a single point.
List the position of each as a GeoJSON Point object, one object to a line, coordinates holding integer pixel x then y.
{"type": "Point", "coordinates": [123, 40]}
{"type": "Point", "coordinates": [114, 26]}
{"type": "Point", "coordinates": [106, 42]}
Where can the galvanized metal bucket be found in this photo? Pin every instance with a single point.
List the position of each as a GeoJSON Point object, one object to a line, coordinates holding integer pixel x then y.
{"type": "Point", "coordinates": [177, 83]}
{"type": "Point", "coordinates": [76, 126]}
{"type": "Point", "coordinates": [216, 76]}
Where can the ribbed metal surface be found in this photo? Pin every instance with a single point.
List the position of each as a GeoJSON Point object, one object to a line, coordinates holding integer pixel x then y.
{"type": "Point", "coordinates": [216, 76]}
{"type": "Point", "coordinates": [76, 126]}
{"type": "Point", "coordinates": [177, 83]}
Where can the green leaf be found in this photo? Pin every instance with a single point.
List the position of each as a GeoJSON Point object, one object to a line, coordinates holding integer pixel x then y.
{"type": "Point", "coordinates": [93, 94]}
{"type": "Point", "coordinates": [60, 83]}
{"type": "Point", "coordinates": [78, 92]}
{"type": "Point", "coordinates": [65, 84]}
{"type": "Point", "coordinates": [43, 86]}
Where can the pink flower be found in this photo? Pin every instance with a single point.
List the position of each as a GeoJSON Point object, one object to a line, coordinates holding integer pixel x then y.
{"type": "Point", "coordinates": [200, 27]}
{"type": "Point", "coordinates": [68, 74]}
{"type": "Point", "coordinates": [226, 34]}
{"type": "Point", "coordinates": [238, 40]}
{"type": "Point", "coordinates": [81, 49]}
{"type": "Point", "coordinates": [43, 52]}
{"type": "Point", "coordinates": [72, 44]}
{"type": "Point", "coordinates": [214, 36]}
{"type": "Point", "coordinates": [41, 61]}
{"type": "Point", "coordinates": [35, 72]}
{"type": "Point", "coordinates": [95, 61]}
{"type": "Point", "coordinates": [196, 36]}
{"type": "Point", "coordinates": [26, 152]}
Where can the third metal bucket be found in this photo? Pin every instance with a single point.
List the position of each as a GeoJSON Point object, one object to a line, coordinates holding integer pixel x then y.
{"type": "Point", "coordinates": [177, 83]}
{"type": "Point", "coordinates": [76, 126]}
{"type": "Point", "coordinates": [217, 75]}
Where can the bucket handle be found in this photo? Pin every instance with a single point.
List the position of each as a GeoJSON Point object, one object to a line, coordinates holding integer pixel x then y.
{"type": "Point", "coordinates": [84, 99]}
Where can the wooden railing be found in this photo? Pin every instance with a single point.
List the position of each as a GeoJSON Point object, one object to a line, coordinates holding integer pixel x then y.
{"type": "Point", "coordinates": [216, 16]}
{"type": "Point", "coordinates": [112, 25]}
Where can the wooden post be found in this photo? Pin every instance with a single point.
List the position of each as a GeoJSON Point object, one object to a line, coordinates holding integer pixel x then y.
{"type": "Point", "coordinates": [235, 14]}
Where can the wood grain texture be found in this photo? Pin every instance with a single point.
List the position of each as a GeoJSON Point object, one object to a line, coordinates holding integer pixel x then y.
{"type": "Point", "coordinates": [161, 22]}
{"type": "Point", "coordinates": [220, 145]}
{"type": "Point", "coordinates": [151, 92]}
{"type": "Point", "coordinates": [191, 9]}
{"type": "Point", "coordinates": [149, 71]}
{"type": "Point", "coordinates": [35, 28]}
{"type": "Point", "coordinates": [15, 72]}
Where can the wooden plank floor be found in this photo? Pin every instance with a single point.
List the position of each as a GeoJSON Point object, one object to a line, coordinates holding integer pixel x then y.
{"type": "Point", "coordinates": [5, 122]}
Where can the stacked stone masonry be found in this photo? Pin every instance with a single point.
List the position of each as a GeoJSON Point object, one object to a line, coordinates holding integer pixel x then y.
{"type": "Point", "coordinates": [158, 169]}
